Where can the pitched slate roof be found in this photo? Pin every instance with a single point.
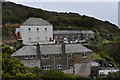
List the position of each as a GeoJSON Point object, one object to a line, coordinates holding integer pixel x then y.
{"type": "Point", "coordinates": [35, 22]}
{"type": "Point", "coordinates": [26, 50]}
{"type": "Point", "coordinates": [67, 32]}
{"type": "Point", "coordinates": [87, 32]}
{"type": "Point", "coordinates": [51, 49]}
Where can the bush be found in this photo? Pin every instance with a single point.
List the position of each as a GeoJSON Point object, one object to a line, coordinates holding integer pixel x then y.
{"type": "Point", "coordinates": [49, 74]}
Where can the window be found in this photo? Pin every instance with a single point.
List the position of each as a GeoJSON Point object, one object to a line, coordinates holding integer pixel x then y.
{"type": "Point", "coordinates": [29, 39]}
{"type": "Point", "coordinates": [29, 30]}
{"type": "Point", "coordinates": [37, 30]}
{"type": "Point", "coordinates": [45, 28]}
{"type": "Point", "coordinates": [70, 55]}
{"type": "Point", "coordinates": [48, 67]}
{"type": "Point", "coordinates": [59, 55]}
{"type": "Point", "coordinates": [70, 66]}
{"type": "Point", "coordinates": [32, 57]}
{"type": "Point", "coordinates": [46, 38]}
{"type": "Point", "coordinates": [59, 66]}
{"type": "Point", "coordinates": [26, 57]}
{"type": "Point", "coordinates": [55, 37]}
{"type": "Point", "coordinates": [84, 55]}
{"type": "Point", "coordinates": [45, 57]}
{"type": "Point", "coordinates": [37, 39]}
{"type": "Point", "coordinates": [61, 37]}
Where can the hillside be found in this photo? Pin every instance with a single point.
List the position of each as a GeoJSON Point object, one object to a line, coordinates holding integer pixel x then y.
{"type": "Point", "coordinates": [17, 14]}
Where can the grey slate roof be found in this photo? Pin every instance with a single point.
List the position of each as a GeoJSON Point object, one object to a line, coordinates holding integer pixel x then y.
{"type": "Point", "coordinates": [67, 32]}
{"type": "Point", "coordinates": [51, 49]}
{"type": "Point", "coordinates": [87, 32]}
{"type": "Point", "coordinates": [26, 50]}
{"type": "Point", "coordinates": [35, 22]}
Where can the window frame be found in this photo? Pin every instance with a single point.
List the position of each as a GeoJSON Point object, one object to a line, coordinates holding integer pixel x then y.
{"type": "Point", "coordinates": [37, 30]}
{"type": "Point", "coordinates": [59, 55]}
{"type": "Point", "coordinates": [43, 56]}
{"type": "Point", "coordinates": [70, 55]}
{"type": "Point", "coordinates": [70, 66]}
{"type": "Point", "coordinates": [47, 67]}
{"type": "Point", "coordinates": [45, 29]}
{"type": "Point", "coordinates": [29, 30]}
{"type": "Point", "coordinates": [59, 66]}
{"type": "Point", "coordinates": [32, 56]}
{"type": "Point", "coordinates": [84, 55]}
{"type": "Point", "coordinates": [26, 57]}
{"type": "Point", "coordinates": [29, 40]}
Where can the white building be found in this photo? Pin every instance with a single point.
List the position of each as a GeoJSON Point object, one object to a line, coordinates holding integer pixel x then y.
{"type": "Point", "coordinates": [35, 30]}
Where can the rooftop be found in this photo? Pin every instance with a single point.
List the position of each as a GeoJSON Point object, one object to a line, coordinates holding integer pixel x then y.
{"type": "Point", "coordinates": [87, 32]}
{"type": "Point", "coordinates": [51, 49]}
{"type": "Point", "coordinates": [67, 32]}
{"type": "Point", "coordinates": [35, 22]}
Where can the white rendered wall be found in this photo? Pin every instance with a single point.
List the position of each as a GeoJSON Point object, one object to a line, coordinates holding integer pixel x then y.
{"type": "Point", "coordinates": [33, 33]}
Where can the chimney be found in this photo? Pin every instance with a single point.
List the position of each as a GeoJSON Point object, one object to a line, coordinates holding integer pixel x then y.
{"type": "Point", "coordinates": [63, 47]}
{"type": "Point", "coordinates": [38, 51]}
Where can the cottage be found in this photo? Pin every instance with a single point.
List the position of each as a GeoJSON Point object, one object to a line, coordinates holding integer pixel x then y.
{"type": "Point", "coordinates": [71, 35]}
{"type": "Point", "coordinates": [87, 35]}
{"type": "Point", "coordinates": [35, 30]}
{"type": "Point", "coordinates": [57, 56]}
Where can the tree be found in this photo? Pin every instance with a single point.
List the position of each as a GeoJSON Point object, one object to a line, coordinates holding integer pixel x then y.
{"type": "Point", "coordinates": [7, 49]}
{"type": "Point", "coordinates": [14, 69]}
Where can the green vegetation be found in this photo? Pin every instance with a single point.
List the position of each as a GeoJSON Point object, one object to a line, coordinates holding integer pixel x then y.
{"type": "Point", "coordinates": [12, 68]}
{"type": "Point", "coordinates": [17, 14]}
{"type": "Point", "coordinates": [116, 39]}
{"type": "Point", "coordinates": [104, 47]}
{"type": "Point", "coordinates": [7, 49]}
{"type": "Point", "coordinates": [96, 56]}
{"type": "Point", "coordinates": [57, 75]}
{"type": "Point", "coordinates": [112, 50]}
{"type": "Point", "coordinates": [114, 75]}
